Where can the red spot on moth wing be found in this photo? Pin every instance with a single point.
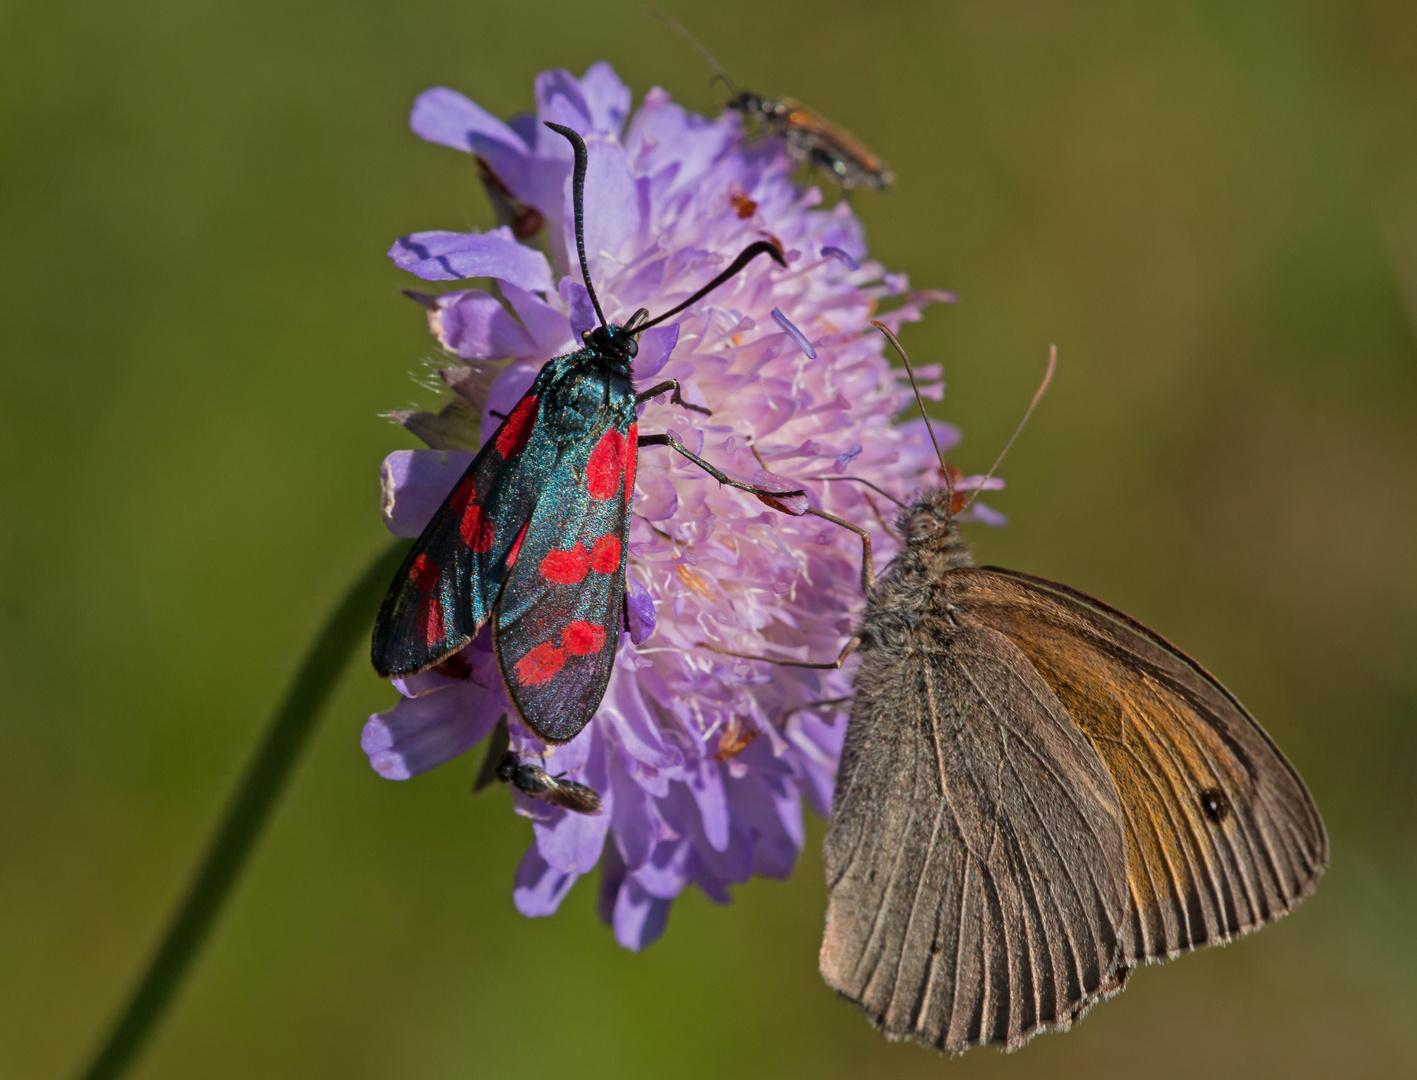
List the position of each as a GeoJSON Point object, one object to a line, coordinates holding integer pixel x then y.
{"type": "Point", "coordinates": [430, 611]}
{"type": "Point", "coordinates": [607, 462]}
{"type": "Point", "coordinates": [516, 429]}
{"type": "Point", "coordinates": [605, 554]}
{"type": "Point", "coordinates": [539, 665]}
{"type": "Point", "coordinates": [582, 638]}
{"type": "Point", "coordinates": [517, 544]}
{"type": "Point", "coordinates": [632, 459]}
{"type": "Point", "coordinates": [424, 573]}
{"type": "Point", "coordinates": [566, 567]}
{"type": "Point", "coordinates": [477, 528]}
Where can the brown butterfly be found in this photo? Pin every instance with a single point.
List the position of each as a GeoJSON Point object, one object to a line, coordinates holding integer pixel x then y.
{"type": "Point", "coordinates": [1036, 794]}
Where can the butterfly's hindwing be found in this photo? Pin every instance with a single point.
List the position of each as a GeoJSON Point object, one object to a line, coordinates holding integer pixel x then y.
{"type": "Point", "coordinates": [447, 585]}
{"type": "Point", "coordinates": [559, 616]}
{"type": "Point", "coordinates": [1222, 835]}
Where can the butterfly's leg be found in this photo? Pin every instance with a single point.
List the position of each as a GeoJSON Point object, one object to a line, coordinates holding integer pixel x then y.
{"type": "Point", "coordinates": [846, 650]}
{"type": "Point", "coordinates": [672, 441]}
{"type": "Point", "coordinates": [868, 568]}
{"type": "Point", "coordinates": [669, 384]}
{"type": "Point", "coordinates": [811, 705]}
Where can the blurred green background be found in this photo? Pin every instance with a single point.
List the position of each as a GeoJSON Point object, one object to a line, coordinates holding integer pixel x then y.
{"type": "Point", "coordinates": [1211, 208]}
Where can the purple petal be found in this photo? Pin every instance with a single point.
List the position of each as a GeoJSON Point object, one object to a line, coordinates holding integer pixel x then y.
{"type": "Point", "coordinates": [639, 918]}
{"type": "Point", "coordinates": [538, 889]}
{"type": "Point", "coordinates": [420, 733]}
{"type": "Point", "coordinates": [606, 98]}
{"type": "Point", "coordinates": [583, 317]}
{"type": "Point", "coordinates": [547, 325]}
{"type": "Point", "coordinates": [988, 515]}
{"type": "Point", "coordinates": [706, 785]}
{"type": "Point", "coordinates": [656, 344]}
{"type": "Point", "coordinates": [572, 842]}
{"type": "Point", "coordinates": [636, 826]}
{"type": "Point", "coordinates": [830, 252]}
{"type": "Point", "coordinates": [444, 116]}
{"type": "Point", "coordinates": [796, 505]}
{"type": "Point", "coordinates": [843, 460]}
{"type": "Point", "coordinates": [639, 610]}
{"type": "Point", "coordinates": [452, 256]}
{"type": "Point", "coordinates": [637, 732]}
{"type": "Point", "coordinates": [474, 325]}
{"type": "Point", "coordinates": [979, 482]}
{"type": "Point", "coordinates": [612, 211]}
{"type": "Point", "coordinates": [414, 483]}
{"type": "Point", "coordinates": [795, 334]}
{"type": "Point", "coordinates": [666, 872]}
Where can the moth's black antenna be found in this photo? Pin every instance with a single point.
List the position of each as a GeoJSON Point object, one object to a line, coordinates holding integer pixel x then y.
{"type": "Point", "coordinates": [1037, 396]}
{"type": "Point", "coordinates": [578, 203]}
{"type": "Point", "coordinates": [698, 47]}
{"type": "Point", "coordinates": [895, 343]}
{"type": "Point", "coordinates": [747, 255]}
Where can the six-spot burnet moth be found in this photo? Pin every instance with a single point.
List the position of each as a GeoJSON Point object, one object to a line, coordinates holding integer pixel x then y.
{"type": "Point", "coordinates": [534, 535]}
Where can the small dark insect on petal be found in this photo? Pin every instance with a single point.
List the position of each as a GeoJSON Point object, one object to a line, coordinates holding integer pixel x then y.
{"type": "Point", "coordinates": [1215, 805]}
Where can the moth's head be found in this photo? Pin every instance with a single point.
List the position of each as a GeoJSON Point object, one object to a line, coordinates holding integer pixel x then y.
{"type": "Point", "coordinates": [618, 341]}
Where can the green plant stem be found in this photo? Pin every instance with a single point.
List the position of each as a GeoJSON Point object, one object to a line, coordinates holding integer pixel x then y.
{"type": "Point", "coordinates": [246, 816]}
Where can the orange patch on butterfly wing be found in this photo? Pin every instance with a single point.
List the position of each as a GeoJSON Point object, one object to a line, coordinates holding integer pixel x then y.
{"type": "Point", "coordinates": [605, 554]}
{"type": "Point", "coordinates": [516, 429]}
{"type": "Point", "coordinates": [606, 463]}
{"type": "Point", "coordinates": [566, 567]}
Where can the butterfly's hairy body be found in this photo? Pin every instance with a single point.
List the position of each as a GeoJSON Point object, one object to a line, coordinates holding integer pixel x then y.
{"type": "Point", "coordinates": [1036, 793]}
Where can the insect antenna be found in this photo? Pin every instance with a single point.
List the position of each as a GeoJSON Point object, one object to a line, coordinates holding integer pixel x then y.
{"type": "Point", "coordinates": [1037, 396]}
{"type": "Point", "coordinates": [862, 480]}
{"type": "Point", "coordinates": [578, 203]}
{"type": "Point", "coordinates": [895, 343]}
{"type": "Point", "coordinates": [719, 74]}
{"type": "Point", "coordinates": [747, 255]}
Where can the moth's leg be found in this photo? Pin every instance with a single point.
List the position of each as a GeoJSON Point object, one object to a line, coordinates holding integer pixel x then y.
{"type": "Point", "coordinates": [821, 665]}
{"type": "Point", "coordinates": [868, 569]}
{"type": "Point", "coordinates": [667, 439]}
{"type": "Point", "coordinates": [669, 384]}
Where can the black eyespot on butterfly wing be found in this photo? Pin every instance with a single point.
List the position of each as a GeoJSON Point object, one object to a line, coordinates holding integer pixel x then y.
{"type": "Point", "coordinates": [1222, 834]}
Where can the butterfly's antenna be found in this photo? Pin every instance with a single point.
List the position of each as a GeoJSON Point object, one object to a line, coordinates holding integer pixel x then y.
{"type": "Point", "coordinates": [1037, 396]}
{"type": "Point", "coordinates": [895, 343]}
{"type": "Point", "coordinates": [862, 480]}
{"type": "Point", "coordinates": [747, 255]}
{"type": "Point", "coordinates": [698, 46]}
{"type": "Point", "coordinates": [578, 203]}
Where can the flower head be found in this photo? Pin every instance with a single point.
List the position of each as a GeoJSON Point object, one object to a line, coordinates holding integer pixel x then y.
{"type": "Point", "coordinates": [702, 760]}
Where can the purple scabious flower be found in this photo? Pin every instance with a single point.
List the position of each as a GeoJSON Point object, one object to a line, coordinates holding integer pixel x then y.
{"type": "Point", "coordinates": [702, 760]}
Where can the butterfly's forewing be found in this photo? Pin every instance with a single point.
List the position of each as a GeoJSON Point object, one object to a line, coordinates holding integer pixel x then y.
{"type": "Point", "coordinates": [1222, 835]}
{"type": "Point", "coordinates": [976, 858]}
{"type": "Point", "coordinates": [445, 589]}
{"type": "Point", "coordinates": [558, 622]}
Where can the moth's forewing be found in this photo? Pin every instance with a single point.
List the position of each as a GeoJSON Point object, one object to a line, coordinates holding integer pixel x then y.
{"type": "Point", "coordinates": [976, 859]}
{"type": "Point", "coordinates": [1222, 835]}
{"type": "Point", "coordinates": [557, 624]}
{"type": "Point", "coordinates": [445, 589]}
